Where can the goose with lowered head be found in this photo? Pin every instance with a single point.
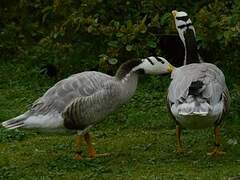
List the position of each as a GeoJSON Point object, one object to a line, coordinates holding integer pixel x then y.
{"type": "Point", "coordinates": [82, 100]}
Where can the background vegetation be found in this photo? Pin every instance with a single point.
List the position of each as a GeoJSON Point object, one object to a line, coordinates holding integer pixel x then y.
{"type": "Point", "coordinates": [42, 42]}
{"type": "Point", "coordinates": [78, 35]}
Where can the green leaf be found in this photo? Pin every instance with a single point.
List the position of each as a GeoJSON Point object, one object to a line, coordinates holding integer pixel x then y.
{"type": "Point", "coordinates": [90, 29]}
{"type": "Point", "coordinates": [129, 47]}
{"type": "Point", "coordinates": [129, 24]}
{"type": "Point", "coordinates": [113, 43]}
{"type": "Point", "coordinates": [55, 35]}
{"type": "Point", "coordinates": [48, 8]}
{"type": "Point", "coordinates": [166, 18]}
{"type": "Point", "coordinates": [116, 24]}
{"type": "Point", "coordinates": [46, 11]}
{"type": "Point", "coordinates": [155, 20]}
{"type": "Point", "coordinates": [119, 34]}
{"type": "Point", "coordinates": [151, 44]}
{"type": "Point", "coordinates": [112, 61]}
{"type": "Point", "coordinates": [143, 28]}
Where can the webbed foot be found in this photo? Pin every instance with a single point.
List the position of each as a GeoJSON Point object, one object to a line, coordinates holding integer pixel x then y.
{"type": "Point", "coordinates": [216, 152]}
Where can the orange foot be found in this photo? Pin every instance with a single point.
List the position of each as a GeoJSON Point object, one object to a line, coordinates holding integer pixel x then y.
{"type": "Point", "coordinates": [216, 152]}
{"type": "Point", "coordinates": [92, 153]}
{"type": "Point", "coordinates": [180, 150]}
{"type": "Point", "coordinates": [78, 157]}
{"type": "Point", "coordinates": [99, 155]}
{"type": "Point", "coordinates": [103, 154]}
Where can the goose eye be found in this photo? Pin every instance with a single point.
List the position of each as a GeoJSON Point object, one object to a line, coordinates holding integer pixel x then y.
{"type": "Point", "coordinates": [149, 60]}
{"type": "Point", "coordinates": [159, 60]}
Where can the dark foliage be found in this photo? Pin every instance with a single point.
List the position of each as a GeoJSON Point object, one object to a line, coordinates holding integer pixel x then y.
{"type": "Point", "coordinates": [99, 34]}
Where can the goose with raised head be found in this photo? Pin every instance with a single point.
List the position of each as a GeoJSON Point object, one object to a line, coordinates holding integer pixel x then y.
{"type": "Point", "coordinates": [82, 100]}
{"type": "Point", "coordinates": [197, 96]}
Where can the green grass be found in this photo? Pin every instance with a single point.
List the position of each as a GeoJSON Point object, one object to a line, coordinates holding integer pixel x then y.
{"type": "Point", "coordinates": [140, 136]}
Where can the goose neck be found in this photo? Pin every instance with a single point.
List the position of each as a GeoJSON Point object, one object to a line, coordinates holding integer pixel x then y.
{"type": "Point", "coordinates": [129, 85]}
{"type": "Point", "coordinates": [190, 47]}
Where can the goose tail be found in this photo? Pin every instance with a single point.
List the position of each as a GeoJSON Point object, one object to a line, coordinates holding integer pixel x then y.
{"type": "Point", "coordinates": [16, 122]}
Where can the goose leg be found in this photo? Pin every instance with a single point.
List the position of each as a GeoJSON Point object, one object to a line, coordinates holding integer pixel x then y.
{"type": "Point", "coordinates": [216, 151]}
{"type": "Point", "coordinates": [91, 149]}
{"type": "Point", "coordinates": [78, 147]}
{"type": "Point", "coordinates": [179, 147]}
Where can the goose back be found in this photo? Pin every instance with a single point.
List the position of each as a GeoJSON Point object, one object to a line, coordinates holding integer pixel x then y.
{"type": "Point", "coordinates": [212, 78]}
{"type": "Point", "coordinates": [211, 100]}
{"type": "Point", "coordinates": [66, 90]}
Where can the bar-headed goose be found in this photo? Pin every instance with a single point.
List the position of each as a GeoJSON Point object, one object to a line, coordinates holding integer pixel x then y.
{"type": "Point", "coordinates": [197, 96]}
{"type": "Point", "coordinates": [82, 100]}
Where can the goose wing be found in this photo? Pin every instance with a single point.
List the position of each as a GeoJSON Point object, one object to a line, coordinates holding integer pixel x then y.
{"type": "Point", "coordinates": [213, 86]}
{"type": "Point", "coordinates": [87, 110]}
{"type": "Point", "coordinates": [66, 90]}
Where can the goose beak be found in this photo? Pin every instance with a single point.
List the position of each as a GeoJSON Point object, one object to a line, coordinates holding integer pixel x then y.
{"type": "Point", "coordinates": [174, 13]}
{"type": "Point", "coordinates": [170, 68]}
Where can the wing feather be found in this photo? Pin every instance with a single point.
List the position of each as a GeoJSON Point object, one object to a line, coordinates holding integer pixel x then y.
{"type": "Point", "coordinates": [211, 76]}
{"type": "Point", "coordinates": [89, 110]}
{"type": "Point", "coordinates": [65, 91]}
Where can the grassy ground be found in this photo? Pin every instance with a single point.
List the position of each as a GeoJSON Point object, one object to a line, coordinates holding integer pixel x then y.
{"type": "Point", "coordinates": [140, 136]}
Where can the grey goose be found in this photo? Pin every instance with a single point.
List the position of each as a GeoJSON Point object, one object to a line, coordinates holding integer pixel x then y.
{"type": "Point", "coordinates": [82, 100]}
{"type": "Point", "coordinates": [197, 96]}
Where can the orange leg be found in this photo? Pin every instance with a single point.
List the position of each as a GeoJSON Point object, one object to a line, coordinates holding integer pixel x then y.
{"type": "Point", "coordinates": [78, 147]}
{"type": "Point", "coordinates": [216, 151]}
{"type": "Point", "coordinates": [91, 149]}
{"type": "Point", "coordinates": [179, 147]}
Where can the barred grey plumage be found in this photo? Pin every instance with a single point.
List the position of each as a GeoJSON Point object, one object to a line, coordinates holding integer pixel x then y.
{"type": "Point", "coordinates": [211, 99]}
{"type": "Point", "coordinates": [197, 96]}
{"type": "Point", "coordinates": [83, 99]}
{"type": "Point", "coordinates": [210, 102]}
{"type": "Point", "coordinates": [84, 111]}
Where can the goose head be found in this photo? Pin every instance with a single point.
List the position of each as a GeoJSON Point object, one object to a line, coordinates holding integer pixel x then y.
{"type": "Point", "coordinates": [183, 23]}
{"type": "Point", "coordinates": [187, 35]}
{"type": "Point", "coordinates": [154, 65]}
